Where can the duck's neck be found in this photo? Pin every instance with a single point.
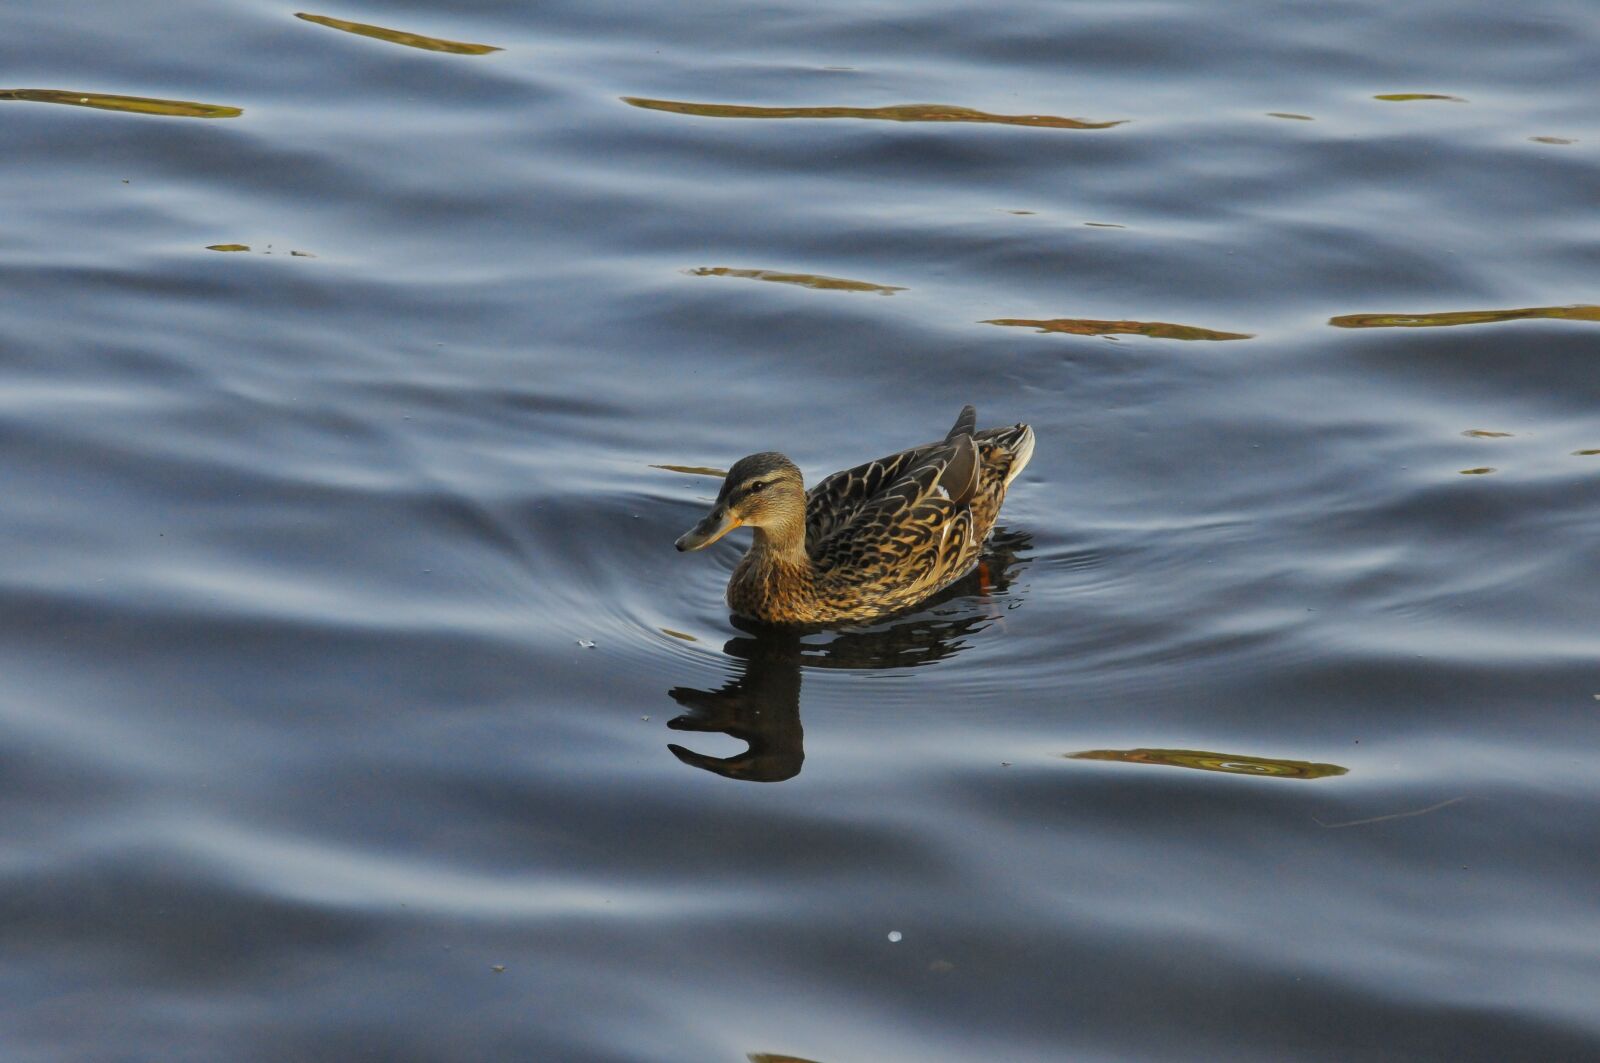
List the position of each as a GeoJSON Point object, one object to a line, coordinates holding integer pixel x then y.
{"type": "Point", "coordinates": [781, 544]}
{"type": "Point", "coordinates": [775, 580]}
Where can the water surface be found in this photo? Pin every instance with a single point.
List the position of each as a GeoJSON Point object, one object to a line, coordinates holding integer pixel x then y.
{"type": "Point", "coordinates": [354, 704]}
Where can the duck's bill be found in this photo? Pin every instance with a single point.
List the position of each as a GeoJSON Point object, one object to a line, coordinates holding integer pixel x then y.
{"type": "Point", "coordinates": [717, 523]}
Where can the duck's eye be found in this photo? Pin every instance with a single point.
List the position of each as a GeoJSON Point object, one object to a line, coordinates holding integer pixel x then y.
{"type": "Point", "coordinates": [759, 485]}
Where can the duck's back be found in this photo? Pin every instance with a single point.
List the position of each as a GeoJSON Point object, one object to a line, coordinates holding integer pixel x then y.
{"type": "Point", "coordinates": [888, 533]}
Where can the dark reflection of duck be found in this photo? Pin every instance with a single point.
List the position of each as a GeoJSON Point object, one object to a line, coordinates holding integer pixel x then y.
{"type": "Point", "coordinates": [760, 705]}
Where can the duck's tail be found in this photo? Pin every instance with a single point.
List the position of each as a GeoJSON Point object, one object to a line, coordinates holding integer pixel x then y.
{"type": "Point", "coordinates": [1021, 451]}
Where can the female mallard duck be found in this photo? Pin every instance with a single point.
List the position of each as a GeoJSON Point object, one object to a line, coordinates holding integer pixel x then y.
{"type": "Point", "coordinates": [867, 541]}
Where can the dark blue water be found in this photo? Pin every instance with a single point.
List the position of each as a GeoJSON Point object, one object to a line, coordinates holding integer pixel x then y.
{"type": "Point", "coordinates": [355, 706]}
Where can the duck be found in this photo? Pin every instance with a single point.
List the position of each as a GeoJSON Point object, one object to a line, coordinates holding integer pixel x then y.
{"type": "Point", "coordinates": [869, 541]}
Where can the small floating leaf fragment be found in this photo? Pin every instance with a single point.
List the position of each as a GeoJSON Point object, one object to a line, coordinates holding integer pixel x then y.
{"type": "Point", "coordinates": [1408, 97]}
{"type": "Point", "coordinates": [498, 968]}
{"type": "Point", "coordinates": [1286, 114]}
{"type": "Point", "coordinates": [1465, 317]}
{"type": "Point", "coordinates": [694, 470]}
{"type": "Point", "coordinates": [129, 104]}
{"type": "Point", "coordinates": [410, 40]}
{"type": "Point", "coordinates": [677, 635]}
{"type": "Point", "coordinates": [1585, 453]}
{"type": "Point", "coordinates": [1161, 330]}
{"type": "Point", "coordinates": [1485, 433]}
{"type": "Point", "coordinates": [1482, 470]}
{"type": "Point", "coordinates": [1104, 225]}
{"type": "Point", "coordinates": [1391, 815]}
{"type": "Point", "coordinates": [805, 280]}
{"type": "Point", "coordinates": [1231, 763]}
{"type": "Point", "coordinates": [1552, 140]}
{"type": "Point", "coordinates": [905, 112]}
{"type": "Point", "coordinates": [227, 247]}
{"type": "Point", "coordinates": [302, 254]}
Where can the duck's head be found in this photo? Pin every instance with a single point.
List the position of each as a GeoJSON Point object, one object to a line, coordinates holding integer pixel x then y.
{"type": "Point", "coordinates": [763, 491]}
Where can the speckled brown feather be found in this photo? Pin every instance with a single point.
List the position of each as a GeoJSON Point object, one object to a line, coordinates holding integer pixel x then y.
{"type": "Point", "coordinates": [884, 535]}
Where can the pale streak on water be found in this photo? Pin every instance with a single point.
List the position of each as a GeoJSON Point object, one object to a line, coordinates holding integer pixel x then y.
{"type": "Point", "coordinates": [303, 754]}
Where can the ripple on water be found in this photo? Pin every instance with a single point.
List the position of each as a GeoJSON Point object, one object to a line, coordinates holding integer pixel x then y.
{"type": "Point", "coordinates": [410, 40]}
{"type": "Point", "coordinates": [1415, 97]}
{"type": "Point", "coordinates": [1229, 763]}
{"type": "Point", "coordinates": [125, 104]}
{"type": "Point", "coordinates": [908, 112]}
{"type": "Point", "coordinates": [1160, 330]}
{"type": "Point", "coordinates": [804, 280]}
{"type": "Point", "coordinates": [1466, 317]}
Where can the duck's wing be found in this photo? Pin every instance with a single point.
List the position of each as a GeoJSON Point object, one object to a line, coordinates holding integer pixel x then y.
{"type": "Point", "coordinates": [838, 500]}
{"type": "Point", "coordinates": [966, 423]}
{"type": "Point", "coordinates": [916, 530]}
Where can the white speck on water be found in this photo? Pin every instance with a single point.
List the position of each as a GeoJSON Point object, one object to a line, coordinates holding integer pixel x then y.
{"type": "Point", "coordinates": [587, 644]}
{"type": "Point", "coordinates": [895, 935]}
